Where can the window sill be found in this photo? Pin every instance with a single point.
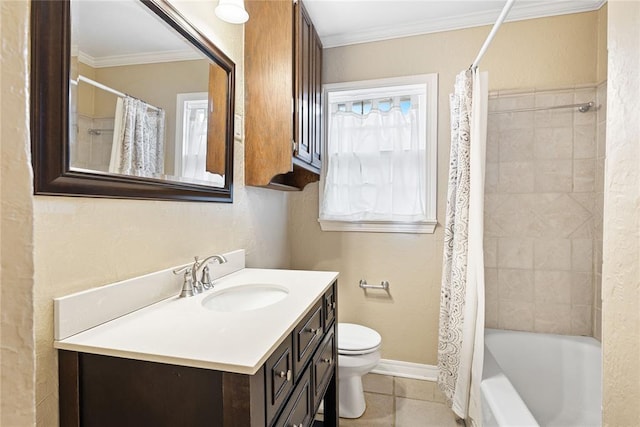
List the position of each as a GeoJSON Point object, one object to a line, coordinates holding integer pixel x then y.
{"type": "Point", "coordinates": [425, 227]}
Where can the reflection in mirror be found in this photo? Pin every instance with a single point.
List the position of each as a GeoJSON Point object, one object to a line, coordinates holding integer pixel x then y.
{"type": "Point", "coordinates": [143, 101]}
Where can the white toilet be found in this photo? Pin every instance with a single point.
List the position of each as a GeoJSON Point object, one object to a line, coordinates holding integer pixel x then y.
{"type": "Point", "coordinates": [358, 354]}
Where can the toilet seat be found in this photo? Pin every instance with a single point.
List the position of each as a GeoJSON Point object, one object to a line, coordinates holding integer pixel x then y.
{"type": "Point", "coordinates": [357, 339]}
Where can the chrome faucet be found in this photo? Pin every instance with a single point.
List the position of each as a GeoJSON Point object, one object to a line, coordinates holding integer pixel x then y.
{"type": "Point", "coordinates": [192, 285]}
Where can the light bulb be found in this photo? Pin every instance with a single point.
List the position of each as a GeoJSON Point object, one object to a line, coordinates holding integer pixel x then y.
{"type": "Point", "coordinates": [232, 11]}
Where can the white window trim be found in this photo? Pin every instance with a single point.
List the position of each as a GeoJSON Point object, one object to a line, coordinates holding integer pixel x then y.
{"type": "Point", "coordinates": [181, 99]}
{"type": "Point", "coordinates": [431, 104]}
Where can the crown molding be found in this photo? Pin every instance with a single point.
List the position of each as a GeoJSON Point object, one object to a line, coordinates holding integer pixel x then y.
{"type": "Point", "coordinates": [139, 58]}
{"type": "Point", "coordinates": [522, 12]}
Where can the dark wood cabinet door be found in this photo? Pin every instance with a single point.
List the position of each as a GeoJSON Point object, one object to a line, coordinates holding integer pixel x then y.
{"type": "Point", "coordinates": [316, 110]}
{"type": "Point", "coordinates": [303, 119]}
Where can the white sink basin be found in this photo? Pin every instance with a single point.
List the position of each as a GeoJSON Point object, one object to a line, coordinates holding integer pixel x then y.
{"type": "Point", "coordinates": [245, 297]}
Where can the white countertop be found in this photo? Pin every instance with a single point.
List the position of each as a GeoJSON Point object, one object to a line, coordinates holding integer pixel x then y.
{"type": "Point", "coordinates": [181, 331]}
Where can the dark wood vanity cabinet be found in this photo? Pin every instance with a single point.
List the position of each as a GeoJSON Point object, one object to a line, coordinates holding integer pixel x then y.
{"type": "Point", "coordinates": [283, 96]}
{"type": "Point", "coordinates": [97, 390]}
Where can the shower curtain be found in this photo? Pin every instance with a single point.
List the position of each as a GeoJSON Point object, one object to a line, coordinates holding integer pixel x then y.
{"type": "Point", "coordinates": [461, 334]}
{"type": "Point", "coordinates": [138, 139]}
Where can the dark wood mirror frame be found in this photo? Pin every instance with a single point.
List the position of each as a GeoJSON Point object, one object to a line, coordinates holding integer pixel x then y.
{"type": "Point", "coordinates": [50, 65]}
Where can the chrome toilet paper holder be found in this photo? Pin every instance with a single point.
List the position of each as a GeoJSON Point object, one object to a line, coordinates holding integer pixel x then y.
{"type": "Point", "coordinates": [384, 285]}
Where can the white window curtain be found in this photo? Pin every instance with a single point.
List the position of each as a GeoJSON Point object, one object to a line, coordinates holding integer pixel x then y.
{"type": "Point", "coordinates": [194, 142]}
{"type": "Point", "coordinates": [138, 139]}
{"type": "Point", "coordinates": [375, 163]}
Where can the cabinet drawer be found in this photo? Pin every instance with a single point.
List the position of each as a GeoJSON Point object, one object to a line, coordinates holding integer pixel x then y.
{"type": "Point", "coordinates": [298, 412]}
{"type": "Point", "coordinates": [279, 373]}
{"type": "Point", "coordinates": [306, 337]}
{"type": "Point", "coordinates": [330, 304]}
{"type": "Point", "coordinates": [323, 363]}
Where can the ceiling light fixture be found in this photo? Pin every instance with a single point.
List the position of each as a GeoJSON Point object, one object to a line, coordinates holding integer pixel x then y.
{"type": "Point", "coordinates": [232, 11]}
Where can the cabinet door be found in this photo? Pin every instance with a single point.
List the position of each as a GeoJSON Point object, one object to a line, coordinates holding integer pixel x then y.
{"type": "Point", "coordinates": [269, 84]}
{"type": "Point", "coordinates": [317, 131]}
{"type": "Point", "coordinates": [304, 80]}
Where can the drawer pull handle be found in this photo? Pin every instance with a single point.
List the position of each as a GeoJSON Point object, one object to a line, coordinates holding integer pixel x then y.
{"type": "Point", "coordinates": [283, 374]}
{"type": "Point", "coordinates": [314, 331]}
{"type": "Point", "coordinates": [331, 305]}
{"type": "Point", "coordinates": [327, 360]}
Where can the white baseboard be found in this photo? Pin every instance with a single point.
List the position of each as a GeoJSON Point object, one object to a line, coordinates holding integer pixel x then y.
{"type": "Point", "coordinates": [398, 368]}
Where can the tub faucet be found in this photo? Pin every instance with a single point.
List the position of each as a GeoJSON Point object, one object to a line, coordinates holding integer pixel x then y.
{"type": "Point", "coordinates": [192, 284]}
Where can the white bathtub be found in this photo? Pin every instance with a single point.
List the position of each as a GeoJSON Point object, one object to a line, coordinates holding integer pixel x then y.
{"type": "Point", "coordinates": [533, 379]}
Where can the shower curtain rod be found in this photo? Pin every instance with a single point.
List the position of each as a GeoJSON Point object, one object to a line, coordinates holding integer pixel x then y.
{"type": "Point", "coordinates": [583, 108]}
{"type": "Point", "coordinates": [106, 88]}
{"type": "Point", "coordinates": [492, 34]}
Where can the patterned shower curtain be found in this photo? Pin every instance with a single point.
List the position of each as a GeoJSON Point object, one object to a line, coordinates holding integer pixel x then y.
{"type": "Point", "coordinates": [138, 139]}
{"type": "Point", "coordinates": [461, 334]}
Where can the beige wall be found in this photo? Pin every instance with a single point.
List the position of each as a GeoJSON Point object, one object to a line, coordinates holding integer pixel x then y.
{"type": "Point", "coordinates": [17, 347]}
{"type": "Point", "coordinates": [621, 236]}
{"type": "Point", "coordinates": [52, 246]}
{"type": "Point", "coordinates": [602, 44]}
{"type": "Point", "coordinates": [540, 53]}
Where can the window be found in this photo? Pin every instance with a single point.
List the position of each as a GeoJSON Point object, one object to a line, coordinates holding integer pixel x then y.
{"type": "Point", "coordinates": [191, 138]}
{"type": "Point", "coordinates": [379, 166]}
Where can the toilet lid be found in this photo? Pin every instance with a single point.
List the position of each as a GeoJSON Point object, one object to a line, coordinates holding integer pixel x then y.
{"type": "Point", "coordinates": [357, 338]}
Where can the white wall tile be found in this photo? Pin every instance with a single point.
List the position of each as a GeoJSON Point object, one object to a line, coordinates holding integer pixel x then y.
{"type": "Point", "coordinates": [491, 314]}
{"type": "Point", "coordinates": [516, 145]}
{"type": "Point", "coordinates": [584, 142]}
{"type": "Point", "coordinates": [490, 252]}
{"type": "Point", "coordinates": [582, 255]}
{"type": "Point", "coordinates": [516, 177]}
{"type": "Point", "coordinates": [554, 176]}
{"type": "Point", "coordinates": [552, 254]}
{"type": "Point", "coordinates": [516, 315]}
{"type": "Point", "coordinates": [581, 320]}
{"type": "Point", "coordinates": [491, 284]}
{"type": "Point", "coordinates": [515, 285]}
{"type": "Point", "coordinates": [491, 178]}
{"type": "Point", "coordinates": [552, 287]}
{"type": "Point", "coordinates": [553, 143]}
{"type": "Point", "coordinates": [553, 318]}
{"type": "Point", "coordinates": [584, 175]}
{"type": "Point", "coordinates": [515, 253]}
{"type": "Point", "coordinates": [582, 288]}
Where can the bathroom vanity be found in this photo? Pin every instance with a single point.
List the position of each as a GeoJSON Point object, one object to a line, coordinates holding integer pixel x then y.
{"type": "Point", "coordinates": [191, 362]}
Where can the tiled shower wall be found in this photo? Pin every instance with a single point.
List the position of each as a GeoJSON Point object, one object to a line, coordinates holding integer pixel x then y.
{"type": "Point", "coordinates": [541, 219]}
{"type": "Point", "coordinates": [91, 150]}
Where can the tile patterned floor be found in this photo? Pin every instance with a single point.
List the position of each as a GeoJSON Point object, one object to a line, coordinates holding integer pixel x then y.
{"type": "Point", "coordinates": [402, 402]}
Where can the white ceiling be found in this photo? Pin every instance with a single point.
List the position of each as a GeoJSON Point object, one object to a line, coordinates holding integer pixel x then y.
{"type": "Point", "coordinates": [118, 32]}
{"type": "Point", "coordinates": [343, 22]}
{"type": "Point", "coordinates": [115, 32]}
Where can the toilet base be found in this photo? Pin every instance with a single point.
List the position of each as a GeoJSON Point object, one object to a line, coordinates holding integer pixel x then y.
{"type": "Point", "coordinates": [352, 403]}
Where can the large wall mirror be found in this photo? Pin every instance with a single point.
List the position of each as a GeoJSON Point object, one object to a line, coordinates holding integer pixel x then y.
{"type": "Point", "coordinates": [129, 100]}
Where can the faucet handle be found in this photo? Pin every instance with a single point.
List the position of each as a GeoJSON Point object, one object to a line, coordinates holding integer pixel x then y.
{"type": "Point", "coordinates": [206, 278]}
{"type": "Point", "coordinates": [187, 285]}
{"type": "Point", "coordinates": [180, 270]}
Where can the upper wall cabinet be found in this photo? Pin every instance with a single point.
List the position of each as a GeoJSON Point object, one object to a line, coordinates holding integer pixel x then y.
{"type": "Point", "coordinates": [283, 89]}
